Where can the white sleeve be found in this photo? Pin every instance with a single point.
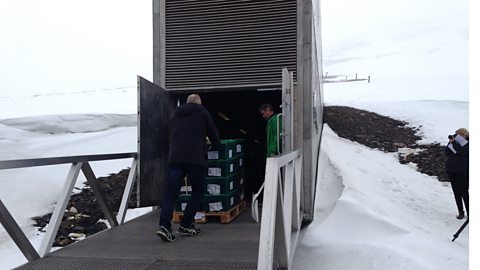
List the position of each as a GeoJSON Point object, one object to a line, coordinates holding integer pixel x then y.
{"type": "Point", "coordinates": [450, 146]}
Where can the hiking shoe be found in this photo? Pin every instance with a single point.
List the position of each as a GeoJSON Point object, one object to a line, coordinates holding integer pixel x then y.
{"type": "Point", "coordinates": [189, 231]}
{"type": "Point", "coordinates": [165, 234]}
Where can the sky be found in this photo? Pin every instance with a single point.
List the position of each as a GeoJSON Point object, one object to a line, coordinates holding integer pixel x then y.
{"type": "Point", "coordinates": [53, 46]}
{"type": "Point", "coordinates": [61, 58]}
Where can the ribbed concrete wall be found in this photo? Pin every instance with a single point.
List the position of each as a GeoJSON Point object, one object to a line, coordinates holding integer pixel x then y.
{"type": "Point", "coordinates": [212, 43]}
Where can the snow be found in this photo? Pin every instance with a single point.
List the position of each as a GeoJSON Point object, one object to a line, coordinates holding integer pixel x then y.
{"type": "Point", "coordinates": [371, 211]}
{"type": "Point", "coordinates": [57, 135]}
{"type": "Point", "coordinates": [388, 215]}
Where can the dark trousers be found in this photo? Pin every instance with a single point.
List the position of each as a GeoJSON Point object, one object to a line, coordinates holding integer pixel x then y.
{"type": "Point", "coordinates": [176, 174]}
{"type": "Point", "coordinates": [460, 190]}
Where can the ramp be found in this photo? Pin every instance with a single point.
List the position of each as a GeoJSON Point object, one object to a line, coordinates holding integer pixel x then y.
{"type": "Point", "coordinates": [135, 246]}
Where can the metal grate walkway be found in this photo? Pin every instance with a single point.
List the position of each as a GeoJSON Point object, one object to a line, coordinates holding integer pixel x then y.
{"type": "Point", "coordinates": [135, 246]}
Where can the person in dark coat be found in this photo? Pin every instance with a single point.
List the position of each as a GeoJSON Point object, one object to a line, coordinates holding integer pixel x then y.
{"type": "Point", "coordinates": [190, 127]}
{"type": "Point", "coordinates": [457, 168]}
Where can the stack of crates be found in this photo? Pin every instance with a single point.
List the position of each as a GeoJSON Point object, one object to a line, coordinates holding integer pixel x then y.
{"type": "Point", "coordinates": [225, 184]}
{"type": "Point", "coordinates": [241, 155]}
{"type": "Point", "coordinates": [185, 191]}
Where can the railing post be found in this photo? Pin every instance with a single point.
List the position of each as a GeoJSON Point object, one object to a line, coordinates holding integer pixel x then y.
{"type": "Point", "coordinates": [288, 202]}
{"type": "Point", "coordinates": [127, 192]}
{"type": "Point", "coordinates": [59, 211]}
{"type": "Point", "coordinates": [297, 215]}
{"type": "Point", "coordinates": [269, 210]}
{"type": "Point", "coordinates": [17, 234]}
{"type": "Point", "coordinates": [281, 234]}
{"type": "Point", "coordinates": [92, 181]}
{"type": "Point", "coordinates": [281, 211]}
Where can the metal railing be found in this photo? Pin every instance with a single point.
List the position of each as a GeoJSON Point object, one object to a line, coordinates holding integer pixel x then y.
{"type": "Point", "coordinates": [77, 163]}
{"type": "Point", "coordinates": [281, 212]}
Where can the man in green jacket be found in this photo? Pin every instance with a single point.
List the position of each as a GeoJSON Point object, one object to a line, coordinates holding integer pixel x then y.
{"type": "Point", "coordinates": [274, 130]}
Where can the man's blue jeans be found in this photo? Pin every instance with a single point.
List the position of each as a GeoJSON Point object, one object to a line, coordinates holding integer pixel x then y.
{"type": "Point", "coordinates": [176, 174]}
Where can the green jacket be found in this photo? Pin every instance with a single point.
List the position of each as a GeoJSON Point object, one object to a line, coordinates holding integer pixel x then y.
{"type": "Point", "coordinates": [274, 135]}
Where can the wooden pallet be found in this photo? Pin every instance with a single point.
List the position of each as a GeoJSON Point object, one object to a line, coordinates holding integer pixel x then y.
{"type": "Point", "coordinates": [225, 217]}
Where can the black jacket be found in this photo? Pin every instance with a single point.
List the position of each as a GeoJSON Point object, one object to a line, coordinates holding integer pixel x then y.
{"type": "Point", "coordinates": [457, 162]}
{"type": "Point", "coordinates": [191, 124]}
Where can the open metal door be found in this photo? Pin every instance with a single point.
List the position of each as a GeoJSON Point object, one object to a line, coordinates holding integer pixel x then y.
{"type": "Point", "coordinates": [153, 141]}
{"type": "Point", "coordinates": [287, 110]}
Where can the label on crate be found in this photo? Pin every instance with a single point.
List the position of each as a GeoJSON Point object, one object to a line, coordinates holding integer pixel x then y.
{"type": "Point", "coordinates": [232, 201]}
{"type": "Point", "coordinates": [214, 171]}
{"type": "Point", "coordinates": [239, 148]}
{"type": "Point", "coordinates": [213, 189]}
{"type": "Point", "coordinates": [241, 181]}
{"type": "Point", "coordinates": [230, 153]}
{"type": "Point", "coordinates": [242, 196]}
{"type": "Point", "coordinates": [213, 155]}
{"type": "Point", "coordinates": [231, 185]}
{"type": "Point", "coordinates": [186, 189]}
{"type": "Point", "coordinates": [199, 215]}
{"type": "Point", "coordinates": [240, 162]}
{"type": "Point", "coordinates": [231, 167]}
{"type": "Point", "coordinates": [215, 206]}
{"type": "Point", "coordinates": [184, 205]}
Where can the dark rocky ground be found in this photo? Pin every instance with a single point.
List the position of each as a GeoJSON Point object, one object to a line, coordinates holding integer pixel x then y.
{"type": "Point", "coordinates": [84, 216]}
{"type": "Point", "coordinates": [388, 135]}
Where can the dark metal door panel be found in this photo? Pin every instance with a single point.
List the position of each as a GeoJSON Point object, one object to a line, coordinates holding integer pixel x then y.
{"type": "Point", "coordinates": [153, 141]}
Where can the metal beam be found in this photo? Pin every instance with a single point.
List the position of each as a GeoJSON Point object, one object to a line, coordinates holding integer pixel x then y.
{"type": "Point", "coordinates": [281, 248]}
{"type": "Point", "coordinates": [35, 162]}
{"type": "Point", "coordinates": [127, 192]}
{"type": "Point", "coordinates": [269, 212]}
{"type": "Point", "coordinates": [59, 211]}
{"type": "Point", "coordinates": [17, 234]}
{"type": "Point", "coordinates": [159, 43]}
{"type": "Point", "coordinates": [92, 181]}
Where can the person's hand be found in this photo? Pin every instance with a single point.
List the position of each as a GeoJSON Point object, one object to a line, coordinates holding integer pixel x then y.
{"type": "Point", "coordinates": [209, 143]}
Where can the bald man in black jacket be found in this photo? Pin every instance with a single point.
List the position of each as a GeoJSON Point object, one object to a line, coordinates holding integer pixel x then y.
{"type": "Point", "coordinates": [190, 126]}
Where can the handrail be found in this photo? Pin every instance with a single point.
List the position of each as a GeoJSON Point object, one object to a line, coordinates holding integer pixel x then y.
{"type": "Point", "coordinates": [281, 211]}
{"type": "Point", "coordinates": [77, 163]}
{"type": "Point", "coordinates": [35, 162]}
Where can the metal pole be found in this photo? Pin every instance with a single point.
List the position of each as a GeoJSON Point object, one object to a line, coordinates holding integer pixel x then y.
{"type": "Point", "coordinates": [269, 211]}
{"type": "Point", "coordinates": [17, 234]}
{"type": "Point", "coordinates": [455, 236]}
{"type": "Point", "coordinates": [59, 211]}
{"type": "Point", "coordinates": [92, 181]}
{"type": "Point", "coordinates": [127, 192]}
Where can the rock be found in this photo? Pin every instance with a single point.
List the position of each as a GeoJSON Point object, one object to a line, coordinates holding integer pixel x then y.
{"type": "Point", "coordinates": [78, 229]}
{"type": "Point", "coordinates": [62, 241]}
{"type": "Point", "coordinates": [83, 212]}
{"type": "Point", "coordinates": [399, 145]}
{"type": "Point", "coordinates": [76, 235]}
{"type": "Point", "coordinates": [370, 129]}
{"type": "Point", "coordinates": [387, 134]}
